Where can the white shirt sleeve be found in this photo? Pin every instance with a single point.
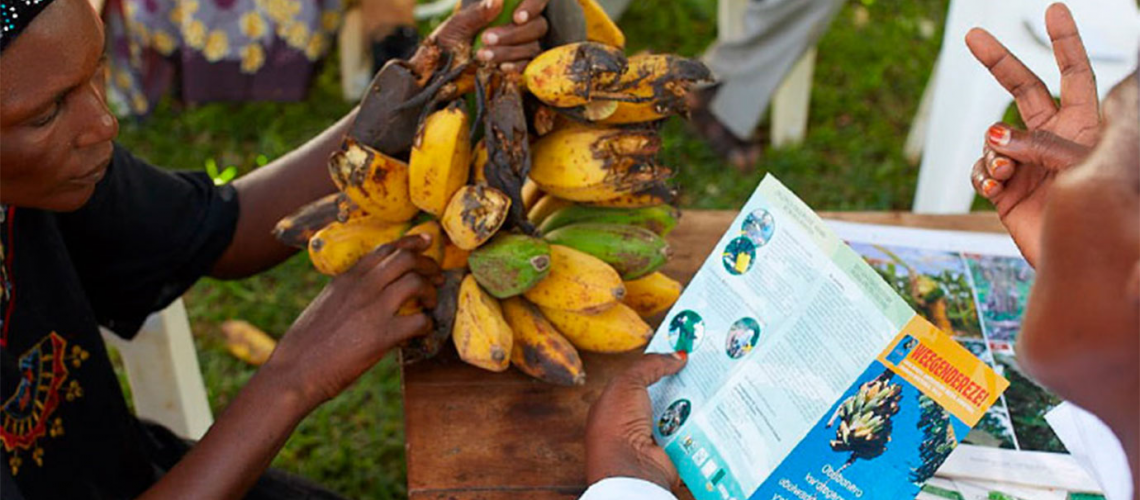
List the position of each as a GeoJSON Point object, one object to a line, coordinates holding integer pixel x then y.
{"type": "Point", "coordinates": [626, 488]}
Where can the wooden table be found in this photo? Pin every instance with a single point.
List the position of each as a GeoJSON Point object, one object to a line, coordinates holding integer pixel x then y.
{"type": "Point", "coordinates": [473, 434]}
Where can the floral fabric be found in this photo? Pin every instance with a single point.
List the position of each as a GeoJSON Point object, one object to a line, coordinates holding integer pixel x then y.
{"type": "Point", "coordinates": [216, 49]}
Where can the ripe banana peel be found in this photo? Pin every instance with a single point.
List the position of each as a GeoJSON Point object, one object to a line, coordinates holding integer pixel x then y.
{"type": "Point", "coordinates": [596, 164]}
{"type": "Point", "coordinates": [441, 159]}
{"type": "Point", "coordinates": [657, 194]}
{"type": "Point", "coordinates": [660, 219]}
{"type": "Point", "coordinates": [481, 334]}
{"type": "Point", "coordinates": [599, 27]}
{"type": "Point", "coordinates": [296, 229]}
{"type": "Point", "coordinates": [618, 329]}
{"type": "Point", "coordinates": [375, 182]}
{"type": "Point", "coordinates": [337, 247]}
{"type": "Point", "coordinates": [454, 257]}
{"type": "Point", "coordinates": [474, 214]}
{"type": "Point", "coordinates": [575, 74]}
{"type": "Point", "coordinates": [632, 251]}
{"type": "Point", "coordinates": [510, 264]}
{"type": "Point", "coordinates": [577, 282]}
{"type": "Point", "coordinates": [539, 350]}
{"type": "Point", "coordinates": [652, 294]}
{"type": "Point", "coordinates": [656, 86]}
{"type": "Point", "coordinates": [348, 210]}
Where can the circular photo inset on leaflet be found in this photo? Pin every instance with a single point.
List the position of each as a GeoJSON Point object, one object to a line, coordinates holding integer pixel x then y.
{"type": "Point", "coordinates": [674, 417]}
{"type": "Point", "coordinates": [738, 255]}
{"type": "Point", "coordinates": [742, 337]}
{"type": "Point", "coordinates": [759, 227]}
{"type": "Point", "coordinates": [686, 330]}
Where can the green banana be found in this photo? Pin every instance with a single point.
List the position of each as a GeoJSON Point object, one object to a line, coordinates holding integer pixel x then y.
{"type": "Point", "coordinates": [631, 250]}
{"type": "Point", "coordinates": [510, 264]}
{"type": "Point", "coordinates": [660, 219]}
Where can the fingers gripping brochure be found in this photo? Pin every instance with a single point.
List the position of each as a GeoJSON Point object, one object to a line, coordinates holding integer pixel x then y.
{"type": "Point", "coordinates": [808, 376]}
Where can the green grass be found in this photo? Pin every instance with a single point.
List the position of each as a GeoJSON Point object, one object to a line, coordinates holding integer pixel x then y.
{"type": "Point", "coordinates": [872, 68]}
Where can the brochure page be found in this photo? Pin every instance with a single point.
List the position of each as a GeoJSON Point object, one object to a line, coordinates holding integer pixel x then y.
{"type": "Point", "coordinates": [808, 375]}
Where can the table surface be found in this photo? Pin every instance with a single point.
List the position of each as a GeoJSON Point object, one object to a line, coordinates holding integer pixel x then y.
{"type": "Point", "coordinates": [473, 434]}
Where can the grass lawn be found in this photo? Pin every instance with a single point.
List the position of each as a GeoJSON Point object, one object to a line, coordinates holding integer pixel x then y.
{"type": "Point", "coordinates": [872, 68]}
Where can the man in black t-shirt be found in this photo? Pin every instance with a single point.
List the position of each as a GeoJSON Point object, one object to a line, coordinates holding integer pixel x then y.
{"type": "Point", "coordinates": [92, 236]}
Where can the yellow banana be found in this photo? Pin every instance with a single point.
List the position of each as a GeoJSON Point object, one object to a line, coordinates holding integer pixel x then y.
{"type": "Point", "coordinates": [619, 329]}
{"type": "Point", "coordinates": [599, 27]}
{"type": "Point", "coordinates": [375, 182]}
{"type": "Point", "coordinates": [657, 85]}
{"type": "Point", "coordinates": [433, 229]}
{"type": "Point", "coordinates": [656, 194]}
{"type": "Point", "coordinates": [441, 159]}
{"type": "Point", "coordinates": [348, 210]}
{"type": "Point", "coordinates": [481, 334]}
{"type": "Point", "coordinates": [474, 215]}
{"type": "Point", "coordinates": [574, 74]}
{"type": "Point", "coordinates": [596, 164]}
{"type": "Point", "coordinates": [544, 207]}
{"type": "Point", "coordinates": [247, 342]}
{"type": "Point", "coordinates": [337, 247]}
{"type": "Point", "coordinates": [577, 282]}
{"type": "Point", "coordinates": [453, 257]}
{"type": "Point", "coordinates": [530, 194]}
{"type": "Point", "coordinates": [539, 350]}
{"type": "Point", "coordinates": [652, 294]}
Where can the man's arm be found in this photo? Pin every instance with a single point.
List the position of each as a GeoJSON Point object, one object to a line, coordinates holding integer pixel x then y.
{"type": "Point", "coordinates": [346, 330]}
{"type": "Point", "coordinates": [272, 192]}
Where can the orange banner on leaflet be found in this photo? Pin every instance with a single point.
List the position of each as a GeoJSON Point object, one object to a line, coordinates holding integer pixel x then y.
{"type": "Point", "coordinates": [945, 371]}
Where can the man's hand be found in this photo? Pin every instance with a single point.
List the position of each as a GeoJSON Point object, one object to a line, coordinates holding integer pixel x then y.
{"type": "Point", "coordinates": [510, 46]}
{"type": "Point", "coordinates": [1017, 169]}
{"type": "Point", "coordinates": [354, 322]}
{"type": "Point", "coordinates": [619, 433]}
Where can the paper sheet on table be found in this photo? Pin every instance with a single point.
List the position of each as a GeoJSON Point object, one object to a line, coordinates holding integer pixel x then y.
{"type": "Point", "coordinates": [1095, 447]}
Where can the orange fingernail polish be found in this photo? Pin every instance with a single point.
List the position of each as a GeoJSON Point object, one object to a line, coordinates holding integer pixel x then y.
{"type": "Point", "coordinates": [989, 186]}
{"type": "Point", "coordinates": [680, 355]}
{"type": "Point", "coordinates": [1001, 166]}
{"type": "Point", "coordinates": [998, 135]}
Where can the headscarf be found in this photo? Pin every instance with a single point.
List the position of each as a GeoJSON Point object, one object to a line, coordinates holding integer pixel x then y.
{"type": "Point", "coordinates": [15, 15]}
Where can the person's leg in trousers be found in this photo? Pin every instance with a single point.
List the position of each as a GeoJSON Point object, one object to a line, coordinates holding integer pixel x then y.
{"type": "Point", "coordinates": [615, 8]}
{"type": "Point", "coordinates": [749, 67]}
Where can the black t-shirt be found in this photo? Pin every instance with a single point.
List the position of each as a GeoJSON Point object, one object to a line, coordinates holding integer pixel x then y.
{"type": "Point", "coordinates": [145, 236]}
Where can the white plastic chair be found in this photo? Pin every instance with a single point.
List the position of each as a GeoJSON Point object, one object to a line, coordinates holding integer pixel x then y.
{"type": "Point", "coordinates": [162, 368]}
{"type": "Point", "coordinates": [963, 99]}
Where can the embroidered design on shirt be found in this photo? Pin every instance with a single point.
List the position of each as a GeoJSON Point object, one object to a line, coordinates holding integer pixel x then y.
{"type": "Point", "coordinates": [26, 416]}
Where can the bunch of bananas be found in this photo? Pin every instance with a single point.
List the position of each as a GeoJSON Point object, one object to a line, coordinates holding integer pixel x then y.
{"type": "Point", "coordinates": [865, 418]}
{"type": "Point", "coordinates": [550, 226]}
